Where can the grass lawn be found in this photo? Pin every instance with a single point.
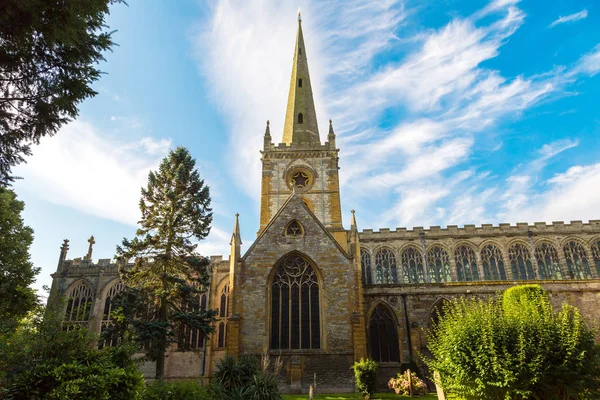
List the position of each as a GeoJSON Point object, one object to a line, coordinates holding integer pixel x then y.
{"type": "Point", "coordinates": [378, 396]}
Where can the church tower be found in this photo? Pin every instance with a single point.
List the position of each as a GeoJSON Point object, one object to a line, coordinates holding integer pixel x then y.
{"type": "Point", "coordinates": [301, 163]}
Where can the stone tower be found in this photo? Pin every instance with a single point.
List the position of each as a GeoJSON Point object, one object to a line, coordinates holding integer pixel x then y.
{"type": "Point", "coordinates": [301, 163]}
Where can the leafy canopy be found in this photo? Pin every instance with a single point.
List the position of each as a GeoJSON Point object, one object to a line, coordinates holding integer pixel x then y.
{"type": "Point", "coordinates": [49, 52]}
{"type": "Point", "coordinates": [167, 276]}
{"type": "Point", "coordinates": [16, 270]}
{"type": "Point", "coordinates": [516, 348]}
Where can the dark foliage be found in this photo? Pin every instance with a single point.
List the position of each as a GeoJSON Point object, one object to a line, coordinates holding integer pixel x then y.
{"type": "Point", "coordinates": [49, 52]}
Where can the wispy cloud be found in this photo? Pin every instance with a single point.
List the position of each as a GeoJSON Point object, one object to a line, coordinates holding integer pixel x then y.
{"type": "Point", "coordinates": [88, 170]}
{"type": "Point", "coordinates": [570, 18]}
{"type": "Point", "coordinates": [434, 90]}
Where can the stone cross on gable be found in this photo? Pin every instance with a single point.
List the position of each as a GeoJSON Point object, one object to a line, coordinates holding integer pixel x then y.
{"type": "Point", "coordinates": [92, 242]}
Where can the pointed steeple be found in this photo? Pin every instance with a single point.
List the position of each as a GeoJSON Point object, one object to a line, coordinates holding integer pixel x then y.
{"type": "Point", "coordinates": [353, 225]}
{"type": "Point", "coordinates": [236, 237]}
{"type": "Point", "coordinates": [300, 116]}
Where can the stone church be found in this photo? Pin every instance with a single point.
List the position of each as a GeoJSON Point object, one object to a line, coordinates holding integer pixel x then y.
{"type": "Point", "coordinates": [323, 296]}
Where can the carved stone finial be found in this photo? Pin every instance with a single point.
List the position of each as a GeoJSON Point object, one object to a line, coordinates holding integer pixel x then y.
{"type": "Point", "coordinates": [299, 16]}
{"type": "Point", "coordinates": [331, 133]}
{"type": "Point", "coordinates": [268, 129]}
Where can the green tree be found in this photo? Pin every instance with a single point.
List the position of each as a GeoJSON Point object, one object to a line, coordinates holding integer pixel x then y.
{"type": "Point", "coordinates": [516, 348]}
{"type": "Point", "coordinates": [49, 52]}
{"type": "Point", "coordinates": [16, 270]}
{"type": "Point", "coordinates": [168, 274]}
{"type": "Point", "coordinates": [41, 360]}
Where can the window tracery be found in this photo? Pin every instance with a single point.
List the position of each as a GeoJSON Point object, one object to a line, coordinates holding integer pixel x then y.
{"type": "Point", "coordinates": [295, 311]}
{"type": "Point", "coordinates": [385, 267]}
{"type": "Point", "coordinates": [223, 316]}
{"type": "Point", "coordinates": [547, 261]}
{"type": "Point", "coordinates": [383, 335]}
{"type": "Point", "coordinates": [520, 262]}
{"type": "Point", "coordinates": [301, 179]}
{"type": "Point", "coordinates": [294, 229]}
{"type": "Point", "coordinates": [439, 265]}
{"type": "Point", "coordinates": [79, 306]}
{"type": "Point", "coordinates": [466, 264]}
{"type": "Point", "coordinates": [106, 315]}
{"type": "Point", "coordinates": [412, 266]}
{"type": "Point", "coordinates": [365, 261]}
{"type": "Point", "coordinates": [493, 264]}
{"type": "Point", "coordinates": [577, 261]}
{"type": "Point", "coordinates": [193, 338]}
{"type": "Point", "coordinates": [596, 255]}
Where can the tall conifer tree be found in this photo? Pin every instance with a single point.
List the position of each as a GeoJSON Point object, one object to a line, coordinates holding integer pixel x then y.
{"type": "Point", "coordinates": [168, 274]}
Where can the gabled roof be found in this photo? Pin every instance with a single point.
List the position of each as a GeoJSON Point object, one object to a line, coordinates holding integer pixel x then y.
{"type": "Point", "coordinates": [295, 197]}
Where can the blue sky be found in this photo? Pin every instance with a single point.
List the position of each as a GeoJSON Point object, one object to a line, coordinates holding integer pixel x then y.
{"type": "Point", "coordinates": [447, 112]}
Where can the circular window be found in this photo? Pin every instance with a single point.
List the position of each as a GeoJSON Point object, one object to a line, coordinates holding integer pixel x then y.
{"type": "Point", "coordinates": [300, 179]}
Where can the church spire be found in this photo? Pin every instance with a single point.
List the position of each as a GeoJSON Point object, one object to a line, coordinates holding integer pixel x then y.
{"type": "Point", "coordinates": [300, 116]}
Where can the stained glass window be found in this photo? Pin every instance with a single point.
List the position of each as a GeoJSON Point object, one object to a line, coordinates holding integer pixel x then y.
{"type": "Point", "coordinates": [412, 266]}
{"type": "Point", "coordinates": [383, 336]}
{"type": "Point", "coordinates": [493, 264]}
{"type": "Point", "coordinates": [385, 267]}
{"type": "Point", "coordinates": [295, 319]}
{"type": "Point", "coordinates": [596, 255]}
{"type": "Point", "coordinates": [439, 265]}
{"type": "Point", "coordinates": [466, 264]}
{"type": "Point", "coordinates": [520, 262]}
{"type": "Point", "coordinates": [106, 317]}
{"type": "Point", "coordinates": [79, 306]}
{"type": "Point", "coordinates": [547, 261]}
{"type": "Point", "coordinates": [365, 261]}
{"type": "Point", "coordinates": [577, 261]}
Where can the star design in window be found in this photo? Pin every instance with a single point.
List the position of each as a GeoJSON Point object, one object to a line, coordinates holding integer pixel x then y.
{"type": "Point", "coordinates": [300, 179]}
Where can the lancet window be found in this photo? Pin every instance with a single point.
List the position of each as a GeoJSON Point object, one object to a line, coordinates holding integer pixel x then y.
{"type": "Point", "coordinates": [577, 261]}
{"type": "Point", "coordinates": [547, 261]}
{"type": "Point", "coordinates": [383, 336]}
{"type": "Point", "coordinates": [521, 263]}
{"type": "Point", "coordinates": [466, 264]}
{"type": "Point", "coordinates": [106, 315]}
{"type": "Point", "coordinates": [493, 264]}
{"type": "Point", "coordinates": [412, 266]}
{"type": "Point", "coordinates": [596, 255]}
{"type": "Point", "coordinates": [223, 315]}
{"type": "Point", "coordinates": [365, 261]}
{"type": "Point", "coordinates": [385, 267]}
{"type": "Point", "coordinates": [79, 306]}
{"type": "Point", "coordinates": [300, 118]}
{"type": "Point", "coordinates": [193, 338]}
{"type": "Point", "coordinates": [295, 311]}
{"type": "Point", "coordinates": [439, 265]}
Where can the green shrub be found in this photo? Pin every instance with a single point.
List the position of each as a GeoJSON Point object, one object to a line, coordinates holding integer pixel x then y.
{"type": "Point", "coordinates": [180, 390]}
{"type": "Point", "coordinates": [245, 379]}
{"type": "Point", "coordinates": [516, 348]}
{"type": "Point", "coordinates": [365, 375]}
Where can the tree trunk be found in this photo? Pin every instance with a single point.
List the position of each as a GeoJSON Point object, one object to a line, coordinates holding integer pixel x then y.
{"type": "Point", "coordinates": [160, 360]}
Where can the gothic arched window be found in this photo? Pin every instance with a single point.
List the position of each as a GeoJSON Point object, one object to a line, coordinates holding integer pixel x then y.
{"type": "Point", "coordinates": [193, 338]}
{"type": "Point", "coordinates": [439, 265]}
{"type": "Point", "coordinates": [383, 335]}
{"type": "Point", "coordinates": [412, 266]}
{"type": "Point", "coordinates": [547, 261]}
{"type": "Point", "coordinates": [385, 267]}
{"type": "Point", "coordinates": [365, 262]}
{"type": "Point", "coordinates": [79, 306]}
{"type": "Point", "coordinates": [224, 302]}
{"type": "Point", "coordinates": [300, 118]}
{"type": "Point", "coordinates": [106, 317]}
{"type": "Point", "coordinates": [466, 264]}
{"type": "Point", "coordinates": [295, 319]}
{"type": "Point", "coordinates": [223, 315]}
{"type": "Point", "coordinates": [577, 261]}
{"type": "Point", "coordinates": [294, 229]}
{"type": "Point", "coordinates": [520, 262]}
{"type": "Point", "coordinates": [596, 255]}
{"type": "Point", "coordinates": [493, 264]}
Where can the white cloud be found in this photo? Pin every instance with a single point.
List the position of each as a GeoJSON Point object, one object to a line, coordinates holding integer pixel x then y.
{"type": "Point", "coordinates": [85, 169]}
{"type": "Point", "coordinates": [436, 82]}
{"type": "Point", "coordinates": [570, 18]}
